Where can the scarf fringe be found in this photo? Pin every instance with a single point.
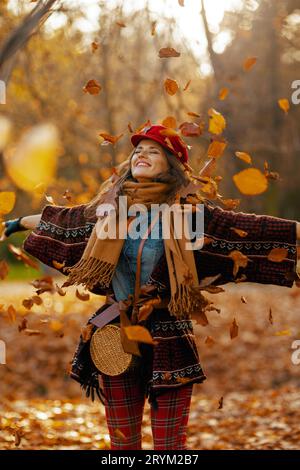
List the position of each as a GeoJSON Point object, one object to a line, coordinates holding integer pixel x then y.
{"type": "Point", "coordinates": [89, 272]}
{"type": "Point", "coordinates": [182, 302]}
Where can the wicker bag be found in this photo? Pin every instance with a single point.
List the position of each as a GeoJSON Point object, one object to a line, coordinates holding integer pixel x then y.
{"type": "Point", "coordinates": [107, 352]}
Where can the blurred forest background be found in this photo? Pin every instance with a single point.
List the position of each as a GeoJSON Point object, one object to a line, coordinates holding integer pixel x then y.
{"type": "Point", "coordinates": [51, 153]}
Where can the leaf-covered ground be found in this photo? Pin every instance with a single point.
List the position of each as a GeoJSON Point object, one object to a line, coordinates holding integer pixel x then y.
{"type": "Point", "coordinates": [251, 399]}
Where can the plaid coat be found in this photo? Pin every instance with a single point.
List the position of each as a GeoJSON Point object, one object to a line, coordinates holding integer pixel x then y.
{"type": "Point", "coordinates": [62, 235]}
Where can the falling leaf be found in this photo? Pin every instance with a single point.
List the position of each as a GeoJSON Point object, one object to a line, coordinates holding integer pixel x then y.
{"type": "Point", "coordinates": [181, 3]}
{"type": "Point", "coordinates": [191, 129]}
{"type": "Point", "coordinates": [21, 256]}
{"type": "Point", "coordinates": [251, 182]}
{"type": "Point", "coordinates": [248, 63]}
{"type": "Point", "coordinates": [244, 156]}
{"type": "Point", "coordinates": [278, 254]}
{"type": "Point", "coordinates": [56, 325]}
{"type": "Point", "coordinates": [23, 325]}
{"type": "Point", "coordinates": [139, 333]}
{"type": "Point", "coordinates": [220, 406]}
{"type": "Point", "coordinates": [94, 46]}
{"type": "Point", "coordinates": [153, 27]}
{"type": "Point", "coordinates": [216, 149]}
{"type": "Point", "coordinates": [209, 341]}
{"type": "Point", "coordinates": [284, 104]}
{"type": "Point", "coordinates": [217, 122]}
{"type": "Point", "coordinates": [121, 24]}
{"type": "Point", "coordinates": [240, 260]}
{"type": "Point", "coordinates": [240, 232]}
{"type": "Point", "coordinates": [230, 204]}
{"type": "Point", "coordinates": [165, 52]}
{"type": "Point", "coordinates": [243, 299]}
{"type": "Point", "coordinates": [110, 138]}
{"type": "Point", "coordinates": [270, 316]}
{"type": "Point", "coordinates": [234, 329]}
{"type": "Point", "coordinates": [28, 303]}
{"type": "Point", "coordinates": [58, 265]}
{"type": "Point", "coordinates": [191, 113]}
{"type": "Point", "coordinates": [7, 202]}
{"type": "Point", "coordinates": [34, 157]}
{"type": "Point", "coordinates": [59, 290]}
{"type": "Point", "coordinates": [82, 296]}
{"type": "Point", "coordinates": [92, 87]}
{"type": "Point", "coordinates": [4, 269]}
{"type": "Point", "coordinates": [223, 93]}
{"type": "Point", "coordinates": [147, 308]}
{"type": "Point", "coordinates": [170, 121]}
{"type": "Point", "coordinates": [11, 312]}
{"type": "Point", "coordinates": [186, 86]}
{"type": "Point", "coordinates": [171, 86]}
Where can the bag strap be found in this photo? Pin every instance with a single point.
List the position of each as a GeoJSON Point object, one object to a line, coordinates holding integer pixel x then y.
{"type": "Point", "coordinates": [137, 288]}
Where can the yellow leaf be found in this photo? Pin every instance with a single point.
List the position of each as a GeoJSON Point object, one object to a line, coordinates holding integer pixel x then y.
{"type": "Point", "coordinates": [7, 202]}
{"type": "Point", "coordinates": [217, 122]}
{"type": "Point", "coordinates": [283, 333]}
{"type": "Point", "coordinates": [251, 181]}
{"type": "Point", "coordinates": [239, 259]}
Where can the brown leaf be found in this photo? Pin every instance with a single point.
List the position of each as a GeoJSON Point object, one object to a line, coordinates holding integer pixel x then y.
{"type": "Point", "coordinates": [4, 269]}
{"type": "Point", "coordinates": [220, 403]}
{"type": "Point", "coordinates": [243, 299]}
{"type": "Point", "coordinates": [23, 325]}
{"type": "Point", "coordinates": [191, 129]}
{"type": "Point", "coordinates": [28, 303]}
{"type": "Point", "coordinates": [249, 62]}
{"type": "Point", "coordinates": [30, 332]}
{"type": "Point", "coordinates": [82, 296]}
{"type": "Point", "coordinates": [92, 87]}
{"type": "Point", "coordinates": [165, 52]}
{"type": "Point", "coordinates": [186, 86]}
{"type": "Point", "coordinates": [110, 138]}
{"type": "Point", "coordinates": [11, 312]}
{"type": "Point", "coordinates": [270, 316]}
{"type": "Point", "coordinates": [21, 256]}
{"type": "Point", "coordinates": [234, 329]}
{"type": "Point", "coordinates": [120, 434]}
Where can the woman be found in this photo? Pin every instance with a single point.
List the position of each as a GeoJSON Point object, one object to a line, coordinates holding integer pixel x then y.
{"type": "Point", "coordinates": [163, 271]}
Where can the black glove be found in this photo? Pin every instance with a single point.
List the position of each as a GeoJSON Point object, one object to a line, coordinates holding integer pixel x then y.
{"type": "Point", "coordinates": [13, 226]}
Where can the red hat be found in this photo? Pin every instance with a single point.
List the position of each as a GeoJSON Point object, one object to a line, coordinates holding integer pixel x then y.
{"type": "Point", "coordinates": [171, 142]}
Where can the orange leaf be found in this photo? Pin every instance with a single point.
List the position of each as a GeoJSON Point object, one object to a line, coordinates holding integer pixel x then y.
{"type": "Point", "coordinates": [277, 254]}
{"type": "Point", "coordinates": [165, 52]}
{"type": "Point", "coordinates": [223, 93]}
{"type": "Point", "coordinates": [139, 333]}
{"type": "Point", "coordinates": [240, 232]}
{"type": "Point", "coordinates": [248, 63]}
{"type": "Point", "coordinates": [244, 156]}
{"type": "Point", "coordinates": [239, 260]}
{"type": "Point", "coordinates": [216, 148]}
{"type": "Point", "coordinates": [171, 86]}
{"type": "Point", "coordinates": [170, 121]}
{"type": "Point", "coordinates": [284, 104]}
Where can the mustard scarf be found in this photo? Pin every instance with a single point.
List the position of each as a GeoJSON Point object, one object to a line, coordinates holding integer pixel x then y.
{"type": "Point", "coordinates": [100, 257]}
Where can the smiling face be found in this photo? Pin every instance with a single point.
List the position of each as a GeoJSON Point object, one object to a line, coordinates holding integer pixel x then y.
{"type": "Point", "coordinates": [148, 160]}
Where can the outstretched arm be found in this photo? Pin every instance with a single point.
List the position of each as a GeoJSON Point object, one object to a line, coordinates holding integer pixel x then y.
{"type": "Point", "coordinates": [262, 233]}
{"type": "Point", "coordinates": [11, 226]}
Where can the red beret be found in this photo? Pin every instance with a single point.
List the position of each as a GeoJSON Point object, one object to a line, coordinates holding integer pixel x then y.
{"type": "Point", "coordinates": [173, 143]}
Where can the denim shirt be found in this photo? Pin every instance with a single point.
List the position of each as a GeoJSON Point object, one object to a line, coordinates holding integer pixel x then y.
{"type": "Point", "coordinates": [123, 281]}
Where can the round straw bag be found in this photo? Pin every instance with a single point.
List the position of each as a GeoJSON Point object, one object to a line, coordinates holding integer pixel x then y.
{"type": "Point", "coordinates": [107, 352]}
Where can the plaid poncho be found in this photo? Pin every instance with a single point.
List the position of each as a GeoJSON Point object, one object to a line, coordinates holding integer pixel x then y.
{"type": "Point", "coordinates": [62, 235]}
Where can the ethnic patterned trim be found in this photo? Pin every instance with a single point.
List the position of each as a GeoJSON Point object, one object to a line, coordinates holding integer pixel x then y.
{"type": "Point", "coordinates": [73, 232]}
{"type": "Point", "coordinates": [248, 245]}
{"type": "Point", "coordinates": [172, 326]}
{"type": "Point", "coordinates": [177, 374]}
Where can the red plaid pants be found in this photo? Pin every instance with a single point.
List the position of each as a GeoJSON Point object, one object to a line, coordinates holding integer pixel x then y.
{"type": "Point", "coordinates": [124, 413]}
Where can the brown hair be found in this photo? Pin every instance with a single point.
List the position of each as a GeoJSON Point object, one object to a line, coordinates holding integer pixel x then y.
{"type": "Point", "coordinates": [176, 176]}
